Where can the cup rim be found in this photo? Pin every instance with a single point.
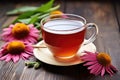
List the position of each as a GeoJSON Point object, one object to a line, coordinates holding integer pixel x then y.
{"type": "Point", "coordinates": [73, 15]}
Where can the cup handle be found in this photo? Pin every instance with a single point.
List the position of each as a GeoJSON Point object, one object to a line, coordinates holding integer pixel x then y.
{"type": "Point", "coordinates": [93, 36]}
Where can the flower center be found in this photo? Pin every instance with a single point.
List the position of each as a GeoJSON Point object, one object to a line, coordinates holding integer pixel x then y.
{"type": "Point", "coordinates": [15, 47]}
{"type": "Point", "coordinates": [20, 30]}
{"type": "Point", "coordinates": [56, 12]}
{"type": "Point", "coordinates": [104, 59]}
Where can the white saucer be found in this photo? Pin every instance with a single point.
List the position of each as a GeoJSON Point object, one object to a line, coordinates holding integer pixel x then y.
{"type": "Point", "coordinates": [44, 55]}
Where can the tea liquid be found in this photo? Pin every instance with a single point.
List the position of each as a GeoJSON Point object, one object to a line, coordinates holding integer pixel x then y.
{"type": "Point", "coordinates": [63, 37]}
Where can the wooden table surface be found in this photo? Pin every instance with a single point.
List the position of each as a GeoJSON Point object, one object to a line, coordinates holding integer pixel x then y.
{"type": "Point", "coordinates": [104, 14]}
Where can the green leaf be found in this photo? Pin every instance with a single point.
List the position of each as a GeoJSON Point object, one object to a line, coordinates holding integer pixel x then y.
{"type": "Point", "coordinates": [37, 25]}
{"type": "Point", "coordinates": [42, 8]}
{"type": "Point", "coordinates": [52, 9]}
{"type": "Point", "coordinates": [33, 15]}
{"type": "Point", "coordinates": [33, 20]}
{"type": "Point", "coordinates": [37, 21]}
{"type": "Point", "coordinates": [26, 21]}
{"type": "Point", "coordinates": [25, 15]}
{"type": "Point", "coordinates": [42, 16]}
{"type": "Point", "coordinates": [21, 10]}
{"type": "Point", "coordinates": [37, 14]}
{"type": "Point", "coordinates": [45, 7]}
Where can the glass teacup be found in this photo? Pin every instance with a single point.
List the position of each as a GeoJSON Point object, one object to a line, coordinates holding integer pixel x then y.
{"type": "Point", "coordinates": [65, 33]}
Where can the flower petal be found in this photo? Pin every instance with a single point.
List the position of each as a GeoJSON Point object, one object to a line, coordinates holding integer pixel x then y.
{"type": "Point", "coordinates": [34, 35]}
{"type": "Point", "coordinates": [7, 33]}
{"type": "Point", "coordinates": [1, 52]}
{"type": "Point", "coordinates": [103, 71]}
{"type": "Point", "coordinates": [15, 58]}
{"type": "Point", "coordinates": [32, 40]}
{"type": "Point", "coordinates": [4, 57]}
{"type": "Point", "coordinates": [33, 29]}
{"type": "Point", "coordinates": [8, 58]}
{"type": "Point", "coordinates": [8, 38]}
{"type": "Point", "coordinates": [7, 29]}
{"type": "Point", "coordinates": [99, 68]}
{"type": "Point", "coordinates": [90, 63]}
{"type": "Point", "coordinates": [30, 53]}
{"type": "Point", "coordinates": [26, 56]}
{"type": "Point", "coordinates": [31, 25]}
{"type": "Point", "coordinates": [108, 70]}
{"type": "Point", "coordinates": [23, 58]}
{"type": "Point", "coordinates": [11, 26]}
{"type": "Point", "coordinates": [113, 68]}
{"type": "Point", "coordinates": [96, 70]}
{"type": "Point", "coordinates": [93, 66]}
{"type": "Point", "coordinates": [88, 56]}
{"type": "Point", "coordinates": [88, 59]}
{"type": "Point", "coordinates": [29, 48]}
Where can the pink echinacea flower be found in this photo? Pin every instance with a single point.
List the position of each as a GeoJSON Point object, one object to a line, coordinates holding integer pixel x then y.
{"type": "Point", "coordinates": [98, 63]}
{"type": "Point", "coordinates": [22, 32]}
{"type": "Point", "coordinates": [15, 50]}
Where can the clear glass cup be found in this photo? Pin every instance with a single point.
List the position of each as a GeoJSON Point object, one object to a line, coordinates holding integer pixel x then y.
{"type": "Point", "coordinates": [64, 34]}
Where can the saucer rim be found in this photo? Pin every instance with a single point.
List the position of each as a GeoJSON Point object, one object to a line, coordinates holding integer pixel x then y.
{"type": "Point", "coordinates": [59, 63]}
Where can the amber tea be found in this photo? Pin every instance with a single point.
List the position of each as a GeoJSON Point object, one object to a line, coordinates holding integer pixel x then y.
{"type": "Point", "coordinates": [62, 42]}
